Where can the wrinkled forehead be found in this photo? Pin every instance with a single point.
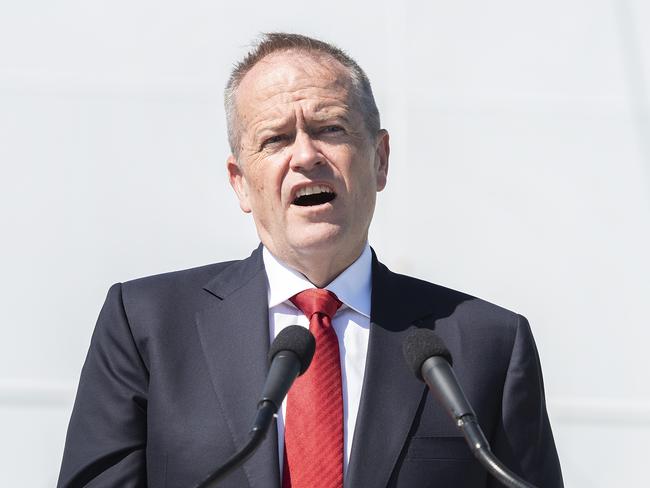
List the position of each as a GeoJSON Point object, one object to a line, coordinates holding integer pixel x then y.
{"type": "Point", "coordinates": [287, 76]}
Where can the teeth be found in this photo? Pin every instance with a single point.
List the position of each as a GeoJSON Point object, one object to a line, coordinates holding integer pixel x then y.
{"type": "Point", "coordinates": [311, 190]}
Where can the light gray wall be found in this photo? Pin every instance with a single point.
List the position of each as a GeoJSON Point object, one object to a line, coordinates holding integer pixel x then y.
{"type": "Point", "coordinates": [520, 167]}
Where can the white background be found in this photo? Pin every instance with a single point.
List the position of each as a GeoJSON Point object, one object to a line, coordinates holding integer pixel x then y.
{"type": "Point", "coordinates": [520, 167]}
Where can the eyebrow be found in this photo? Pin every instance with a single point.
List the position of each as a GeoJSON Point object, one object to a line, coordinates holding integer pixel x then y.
{"type": "Point", "coordinates": [275, 124]}
{"type": "Point", "coordinates": [335, 114]}
{"type": "Point", "coordinates": [326, 111]}
{"type": "Point", "coordinates": [319, 116]}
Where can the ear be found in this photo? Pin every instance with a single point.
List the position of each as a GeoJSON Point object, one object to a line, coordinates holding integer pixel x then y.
{"type": "Point", "coordinates": [382, 151]}
{"type": "Point", "coordinates": [238, 183]}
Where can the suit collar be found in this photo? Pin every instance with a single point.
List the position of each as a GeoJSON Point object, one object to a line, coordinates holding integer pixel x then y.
{"type": "Point", "coordinates": [391, 394]}
{"type": "Point", "coordinates": [236, 328]}
{"type": "Point", "coordinates": [236, 275]}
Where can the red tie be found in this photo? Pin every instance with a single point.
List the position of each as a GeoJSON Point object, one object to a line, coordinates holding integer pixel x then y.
{"type": "Point", "coordinates": [313, 434]}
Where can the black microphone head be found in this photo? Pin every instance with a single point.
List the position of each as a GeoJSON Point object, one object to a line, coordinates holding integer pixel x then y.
{"type": "Point", "coordinates": [420, 345]}
{"type": "Point", "coordinates": [298, 340]}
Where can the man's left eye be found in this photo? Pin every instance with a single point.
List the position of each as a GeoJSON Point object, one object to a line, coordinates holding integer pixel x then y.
{"type": "Point", "coordinates": [332, 128]}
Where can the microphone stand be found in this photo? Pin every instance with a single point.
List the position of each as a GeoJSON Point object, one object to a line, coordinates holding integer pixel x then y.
{"type": "Point", "coordinates": [285, 368]}
{"type": "Point", "coordinates": [264, 418]}
{"type": "Point", "coordinates": [440, 377]}
{"type": "Point", "coordinates": [481, 450]}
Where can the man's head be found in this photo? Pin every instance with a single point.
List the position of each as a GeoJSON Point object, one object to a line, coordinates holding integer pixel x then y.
{"type": "Point", "coordinates": [308, 154]}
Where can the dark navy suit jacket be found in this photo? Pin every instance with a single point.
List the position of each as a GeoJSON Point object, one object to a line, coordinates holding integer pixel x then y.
{"type": "Point", "coordinates": [177, 363]}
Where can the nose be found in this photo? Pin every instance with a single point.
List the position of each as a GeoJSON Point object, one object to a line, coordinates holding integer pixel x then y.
{"type": "Point", "coordinates": [305, 154]}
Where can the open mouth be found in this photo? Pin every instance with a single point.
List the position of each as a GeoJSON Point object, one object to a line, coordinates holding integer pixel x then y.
{"type": "Point", "coordinates": [314, 195]}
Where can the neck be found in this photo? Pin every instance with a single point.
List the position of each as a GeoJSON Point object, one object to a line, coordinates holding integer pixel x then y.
{"type": "Point", "coordinates": [321, 268]}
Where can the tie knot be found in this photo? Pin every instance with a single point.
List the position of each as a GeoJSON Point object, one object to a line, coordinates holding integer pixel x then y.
{"type": "Point", "coordinates": [316, 300]}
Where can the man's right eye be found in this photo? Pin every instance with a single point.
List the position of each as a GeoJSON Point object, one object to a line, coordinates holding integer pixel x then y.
{"type": "Point", "coordinates": [272, 140]}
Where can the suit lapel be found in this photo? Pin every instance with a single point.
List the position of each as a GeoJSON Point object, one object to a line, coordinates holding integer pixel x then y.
{"type": "Point", "coordinates": [234, 335]}
{"type": "Point", "coordinates": [391, 395]}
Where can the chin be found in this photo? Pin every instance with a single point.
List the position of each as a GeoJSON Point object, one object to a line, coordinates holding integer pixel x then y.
{"type": "Point", "coordinates": [325, 237]}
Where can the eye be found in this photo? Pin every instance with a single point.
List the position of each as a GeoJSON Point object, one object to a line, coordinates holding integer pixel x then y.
{"type": "Point", "coordinates": [331, 129]}
{"type": "Point", "coordinates": [273, 140]}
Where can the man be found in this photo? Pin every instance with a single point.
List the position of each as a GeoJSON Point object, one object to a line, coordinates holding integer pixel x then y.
{"type": "Point", "coordinates": [177, 361]}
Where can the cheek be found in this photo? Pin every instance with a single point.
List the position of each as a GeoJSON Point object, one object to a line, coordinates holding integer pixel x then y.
{"type": "Point", "coordinates": [257, 183]}
{"type": "Point", "coordinates": [269, 177]}
{"type": "Point", "coordinates": [365, 184]}
{"type": "Point", "coordinates": [265, 195]}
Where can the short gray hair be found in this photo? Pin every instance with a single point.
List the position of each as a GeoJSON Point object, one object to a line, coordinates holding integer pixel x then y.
{"type": "Point", "coordinates": [274, 42]}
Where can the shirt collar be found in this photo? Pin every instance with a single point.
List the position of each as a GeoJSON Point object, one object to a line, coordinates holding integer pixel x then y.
{"type": "Point", "coordinates": [352, 286]}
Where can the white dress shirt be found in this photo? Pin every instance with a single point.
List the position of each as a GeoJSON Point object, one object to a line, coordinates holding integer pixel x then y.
{"type": "Point", "coordinates": [351, 324]}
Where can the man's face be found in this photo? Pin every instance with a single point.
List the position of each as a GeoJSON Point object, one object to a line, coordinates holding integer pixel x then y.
{"type": "Point", "coordinates": [307, 169]}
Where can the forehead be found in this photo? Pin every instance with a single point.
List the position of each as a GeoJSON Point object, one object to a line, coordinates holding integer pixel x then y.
{"type": "Point", "coordinates": [278, 79]}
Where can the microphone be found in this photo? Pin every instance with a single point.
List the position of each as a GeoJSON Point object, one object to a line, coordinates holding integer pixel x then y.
{"type": "Point", "coordinates": [430, 361]}
{"type": "Point", "coordinates": [289, 356]}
